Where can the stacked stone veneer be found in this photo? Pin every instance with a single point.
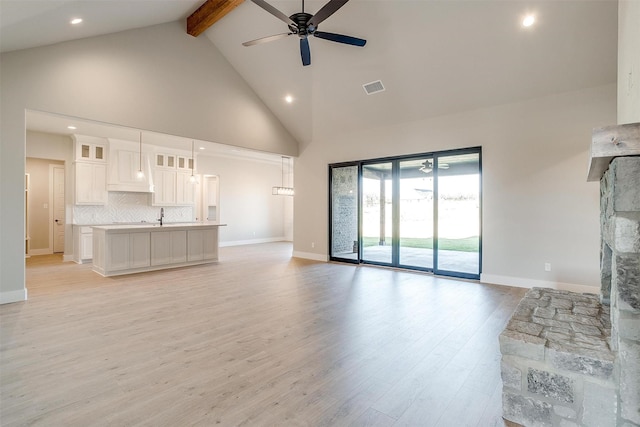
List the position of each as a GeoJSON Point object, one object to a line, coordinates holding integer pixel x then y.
{"type": "Point", "coordinates": [574, 359]}
{"type": "Point", "coordinates": [344, 210]}
{"type": "Point", "coordinates": [557, 366]}
{"type": "Point", "coordinates": [620, 274]}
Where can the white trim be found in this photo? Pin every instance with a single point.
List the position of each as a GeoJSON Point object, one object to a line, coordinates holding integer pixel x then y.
{"type": "Point", "coordinates": [50, 209]}
{"type": "Point", "coordinates": [67, 258]}
{"type": "Point", "coordinates": [13, 296]}
{"type": "Point", "coordinates": [45, 251]}
{"type": "Point", "coordinates": [310, 255]}
{"type": "Point", "coordinates": [520, 282]}
{"type": "Point", "coordinates": [252, 241]}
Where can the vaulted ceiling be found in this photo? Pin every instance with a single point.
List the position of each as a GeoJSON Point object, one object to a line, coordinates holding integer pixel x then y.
{"type": "Point", "coordinates": [434, 57]}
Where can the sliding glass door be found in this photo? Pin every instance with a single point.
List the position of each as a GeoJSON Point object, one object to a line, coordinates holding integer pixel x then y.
{"type": "Point", "coordinates": [415, 219]}
{"type": "Point", "coordinates": [377, 215]}
{"type": "Point", "coordinates": [420, 212]}
{"type": "Point", "coordinates": [458, 215]}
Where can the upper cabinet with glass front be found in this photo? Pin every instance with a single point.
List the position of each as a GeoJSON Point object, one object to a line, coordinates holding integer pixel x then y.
{"type": "Point", "coordinates": [90, 148]}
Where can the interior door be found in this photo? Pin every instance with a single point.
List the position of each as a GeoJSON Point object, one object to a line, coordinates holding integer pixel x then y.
{"type": "Point", "coordinates": [58, 209]}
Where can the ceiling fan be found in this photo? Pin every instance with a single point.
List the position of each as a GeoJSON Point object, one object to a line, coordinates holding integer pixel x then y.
{"type": "Point", "coordinates": [304, 25]}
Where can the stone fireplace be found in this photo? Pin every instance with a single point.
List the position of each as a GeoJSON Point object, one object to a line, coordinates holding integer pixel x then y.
{"type": "Point", "coordinates": [572, 359]}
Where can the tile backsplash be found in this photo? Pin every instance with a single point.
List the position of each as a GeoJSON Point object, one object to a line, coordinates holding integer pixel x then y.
{"type": "Point", "coordinates": [129, 207]}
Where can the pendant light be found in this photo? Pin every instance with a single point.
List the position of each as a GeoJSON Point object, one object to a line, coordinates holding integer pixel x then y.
{"type": "Point", "coordinates": [140, 174]}
{"type": "Point", "coordinates": [283, 191]}
{"type": "Point", "coordinates": [192, 178]}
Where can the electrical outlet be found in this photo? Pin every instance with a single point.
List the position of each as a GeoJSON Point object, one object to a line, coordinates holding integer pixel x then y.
{"type": "Point", "coordinates": [313, 244]}
{"type": "Point", "coordinates": [547, 266]}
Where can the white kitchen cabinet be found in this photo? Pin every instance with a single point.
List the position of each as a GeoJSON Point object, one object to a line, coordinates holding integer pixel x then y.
{"type": "Point", "coordinates": [90, 148]}
{"type": "Point", "coordinates": [202, 244]}
{"type": "Point", "coordinates": [140, 250]}
{"type": "Point", "coordinates": [165, 187]}
{"type": "Point", "coordinates": [185, 163]}
{"type": "Point", "coordinates": [82, 244]}
{"type": "Point", "coordinates": [118, 255]}
{"type": "Point", "coordinates": [127, 251]}
{"type": "Point", "coordinates": [168, 247]}
{"type": "Point", "coordinates": [185, 189]}
{"type": "Point", "coordinates": [91, 152]}
{"type": "Point", "coordinates": [91, 183]}
{"type": "Point", "coordinates": [165, 161]}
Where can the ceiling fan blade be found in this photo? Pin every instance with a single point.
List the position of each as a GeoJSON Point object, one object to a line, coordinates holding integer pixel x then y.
{"type": "Point", "coordinates": [305, 52]}
{"type": "Point", "coordinates": [275, 12]}
{"type": "Point", "coordinates": [266, 39]}
{"type": "Point", "coordinates": [340, 38]}
{"type": "Point", "coordinates": [326, 11]}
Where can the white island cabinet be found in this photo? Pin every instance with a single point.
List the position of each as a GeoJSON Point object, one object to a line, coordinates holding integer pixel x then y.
{"type": "Point", "coordinates": [125, 249]}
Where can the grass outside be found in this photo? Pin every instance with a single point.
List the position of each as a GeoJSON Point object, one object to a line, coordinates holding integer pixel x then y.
{"type": "Point", "coordinates": [467, 244]}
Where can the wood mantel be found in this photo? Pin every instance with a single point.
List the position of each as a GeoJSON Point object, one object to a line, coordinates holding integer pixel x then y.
{"type": "Point", "coordinates": [609, 142]}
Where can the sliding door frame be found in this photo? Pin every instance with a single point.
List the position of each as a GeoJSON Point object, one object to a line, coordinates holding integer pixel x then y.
{"type": "Point", "coordinates": [395, 242]}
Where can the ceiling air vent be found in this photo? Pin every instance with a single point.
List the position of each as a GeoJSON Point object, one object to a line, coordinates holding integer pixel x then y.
{"type": "Point", "coordinates": [373, 87]}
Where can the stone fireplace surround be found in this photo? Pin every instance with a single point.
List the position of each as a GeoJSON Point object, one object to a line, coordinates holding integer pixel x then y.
{"type": "Point", "coordinates": [572, 359]}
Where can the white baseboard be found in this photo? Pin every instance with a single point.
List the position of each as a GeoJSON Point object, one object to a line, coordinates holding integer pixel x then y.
{"type": "Point", "coordinates": [251, 241]}
{"type": "Point", "coordinates": [310, 255]}
{"type": "Point", "coordinates": [13, 296]}
{"type": "Point", "coordinates": [67, 258]}
{"type": "Point", "coordinates": [40, 252]}
{"type": "Point", "coordinates": [519, 282]}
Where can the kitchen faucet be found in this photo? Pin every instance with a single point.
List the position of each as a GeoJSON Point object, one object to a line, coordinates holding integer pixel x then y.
{"type": "Point", "coordinates": [161, 215]}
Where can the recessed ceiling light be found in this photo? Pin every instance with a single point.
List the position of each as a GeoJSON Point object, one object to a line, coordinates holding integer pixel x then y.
{"type": "Point", "coordinates": [289, 99]}
{"type": "Point", "coordinates": [76, 21]}
{"type": "Point", "coordinates": [72, 127]}
{"type": "Point", "coordinates": [528, 21]}
{"type": "Point", "coordinates": [202, 148]}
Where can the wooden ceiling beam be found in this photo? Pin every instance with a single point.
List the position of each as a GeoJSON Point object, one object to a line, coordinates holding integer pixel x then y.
{"type": "Point", "coordinates": [208, 14]}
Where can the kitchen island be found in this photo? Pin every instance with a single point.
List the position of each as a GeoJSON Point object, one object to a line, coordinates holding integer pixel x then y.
{"type": "Point", "coordinates": [136, 248]}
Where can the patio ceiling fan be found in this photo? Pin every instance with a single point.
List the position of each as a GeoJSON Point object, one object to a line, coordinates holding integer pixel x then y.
{"type": "Point", "coordinates": [304, 25]}
{"type": "Point", "coordinates": [427, 166]}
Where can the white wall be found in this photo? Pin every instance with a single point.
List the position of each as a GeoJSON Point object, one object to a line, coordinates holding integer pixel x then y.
{"type": "Point", "coordinates": [56, 147]}
{"type": "Point", "coordinates": [156, 78]}
{"type": "Point", "coordinates": [538, 206]}
{"type": "Point", "coordinates": [628, 61]}
{"type": "Point", "coordinates": [251, 213]}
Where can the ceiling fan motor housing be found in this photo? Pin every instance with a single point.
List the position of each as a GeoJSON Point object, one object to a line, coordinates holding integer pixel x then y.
{"type": "Point", "coordinates": [301, 28]}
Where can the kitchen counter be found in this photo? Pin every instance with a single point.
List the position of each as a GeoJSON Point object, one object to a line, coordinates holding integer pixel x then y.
{"type": "Point", "coordinates": [134, 248]}
{"type": "Point", "coordinates": [147, 225]}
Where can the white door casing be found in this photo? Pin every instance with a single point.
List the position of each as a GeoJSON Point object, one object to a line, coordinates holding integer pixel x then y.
{"type": "Point", "coordinates": [58, 204]}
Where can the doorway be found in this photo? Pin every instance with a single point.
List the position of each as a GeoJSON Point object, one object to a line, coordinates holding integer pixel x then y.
{"type": "Point", "coordinates": [420, 212]}
{"type": "Point", "coordinates": [45, 206]}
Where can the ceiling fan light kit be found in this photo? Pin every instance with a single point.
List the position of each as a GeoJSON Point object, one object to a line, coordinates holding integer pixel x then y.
{"type": "Point", "coordinates": [304, 25]}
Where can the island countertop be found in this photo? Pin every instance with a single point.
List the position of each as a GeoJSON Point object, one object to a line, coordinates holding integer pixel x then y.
{"type": "Point", "coordinates": [150, 225]}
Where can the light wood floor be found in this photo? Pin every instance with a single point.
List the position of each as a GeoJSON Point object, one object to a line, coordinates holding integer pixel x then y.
{"type": "Point", "coordinates": [258, 339]}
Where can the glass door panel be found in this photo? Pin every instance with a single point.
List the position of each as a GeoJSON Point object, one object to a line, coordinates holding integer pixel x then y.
{"type": "Point", "coordinates": [344, 213]}
{"type": "Point", "coordinates": [416, 213]}
{"type": "Point", "coordinates": [377, 213]}
{"type": "Point", "coordinates": [458, 215]}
